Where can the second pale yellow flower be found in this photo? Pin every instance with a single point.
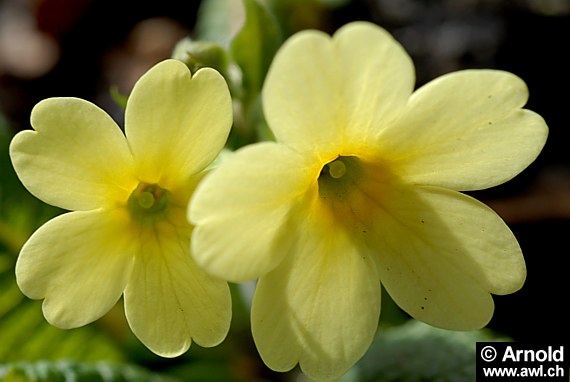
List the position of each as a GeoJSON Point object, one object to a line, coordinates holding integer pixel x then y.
{"type": "Point", "coordinates": [362, 188]}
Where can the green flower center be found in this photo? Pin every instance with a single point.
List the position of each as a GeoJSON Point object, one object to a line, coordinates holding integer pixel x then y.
{"type": "Point", "coordinates": [148, 202]}
{"type": "Point", "coordinates": [336, 168]}
{"type": "Point", "coordinates": [339, 177]}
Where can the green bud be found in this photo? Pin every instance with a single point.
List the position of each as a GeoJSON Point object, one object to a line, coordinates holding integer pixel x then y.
{"type": "Point", "coordinates": [199, 54]}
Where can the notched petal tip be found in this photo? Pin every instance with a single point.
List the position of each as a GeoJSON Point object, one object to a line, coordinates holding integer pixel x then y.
{"type": "Point", "coordinates": [45, 109]}
{"type": "Point", "coordinates": [442, 256]}
{"type": "Point", "coordinates": [324, 91]}
{"type": "Point", "coordinates": [76, 158]}
{"type": "Point", "coordinates": [177, 123]}
{"type": "Point", "coordinates": [171, 67]}
{"type": "Point", "coordinates": [167, 287]}
{"type": "Point", "coordinates": [325, 275]}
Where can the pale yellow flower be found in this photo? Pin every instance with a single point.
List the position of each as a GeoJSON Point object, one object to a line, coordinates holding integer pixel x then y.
{"type": "Point", "coordinates": [128, 232]}
{"type": "Point", "coordinates": [361, 187]}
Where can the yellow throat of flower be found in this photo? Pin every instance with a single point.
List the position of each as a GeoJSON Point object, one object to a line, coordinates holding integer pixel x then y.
{"type": "Point", "coordinates": [148, 202]}
{"type": "Point", "coordinates": [352, 190]}
{"type": "Point", "coordinates": [339, 177]}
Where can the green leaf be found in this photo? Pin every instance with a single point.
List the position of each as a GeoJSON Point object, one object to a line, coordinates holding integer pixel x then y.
{"type": "Point", "coordinates": [255, 45]}
{"type": "Point", "coordinates": [219, 20]}
{"type": "Point", "coordinates": [25, 334]}
{"type": "Point", "coordinates": [76, 371]}
{"type": "Point", "coordinates": [334, 3]}
{"type": "Point", "coordinates": [252, 50]}
{"type": "Point", "coordinates": [416, 351]}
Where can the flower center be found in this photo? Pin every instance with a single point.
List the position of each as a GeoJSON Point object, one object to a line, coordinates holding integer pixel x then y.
{"type": "Point", "coordinates": [148, 202]}
{"type": "Point", "coordinates": [352, 191]}
{"type": "Point", "coordinates": [336, 168]}
{"type": "Point", "coordinates": [339, 177]}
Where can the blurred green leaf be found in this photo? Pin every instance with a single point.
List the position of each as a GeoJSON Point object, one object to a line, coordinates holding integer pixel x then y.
{"type": "Point", "coordinates": [239, 38]}
{"type": "Point", "coordinates": [219, 20]}
{"type": "Point", "coordinates": [255, 45]}
{"type": "Point", "coordinates": [201, 370]}
{"type": "Point", "coordinates": [119, 98]}
{"type": "Point", "coordinates": [416, 351]}
{"type": "Point", "coordinates": [26, 335]}
{"type": "Point", "coordinates": [250, 124]}
{"type": "Point", "coordinates": [252, 51]}
{"type": "Point", "coordinates": [66, 371]}
{"type": "Point", "coordinates": [334, 3]}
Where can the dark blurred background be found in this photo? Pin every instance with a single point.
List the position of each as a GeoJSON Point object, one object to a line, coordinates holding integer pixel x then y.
{"type": "Point", "coordinates": [83, 48]}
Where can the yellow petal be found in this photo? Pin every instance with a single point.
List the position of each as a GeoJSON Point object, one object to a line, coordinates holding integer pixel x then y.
{"type": "Point", "coordinates": [77, 158]}
{"type": "Point", "coordinates": [177, 124]}
{"type": "Point", "coordinates": [242, 211]}
{"type": "Point", "coordinates": [466, 131]}
{"type": "Point", "coordinates": [80, 263]}
{"type": "Point", "coordinates": [321, 90]}
{"type": "Point", "coordinates": [169, 301]}
{"type": "Point", "coordinates": [320, 307]}
{"type": "Point", "coordinates": [440, 254]}
{"type": "Point", "coordinates": [377, 78]}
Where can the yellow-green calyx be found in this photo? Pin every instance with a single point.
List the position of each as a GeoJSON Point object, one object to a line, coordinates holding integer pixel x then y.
{"type": "Point", "coordinates": [148, 201]}
{"type": "Point", "coordinates": [339, 176]}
